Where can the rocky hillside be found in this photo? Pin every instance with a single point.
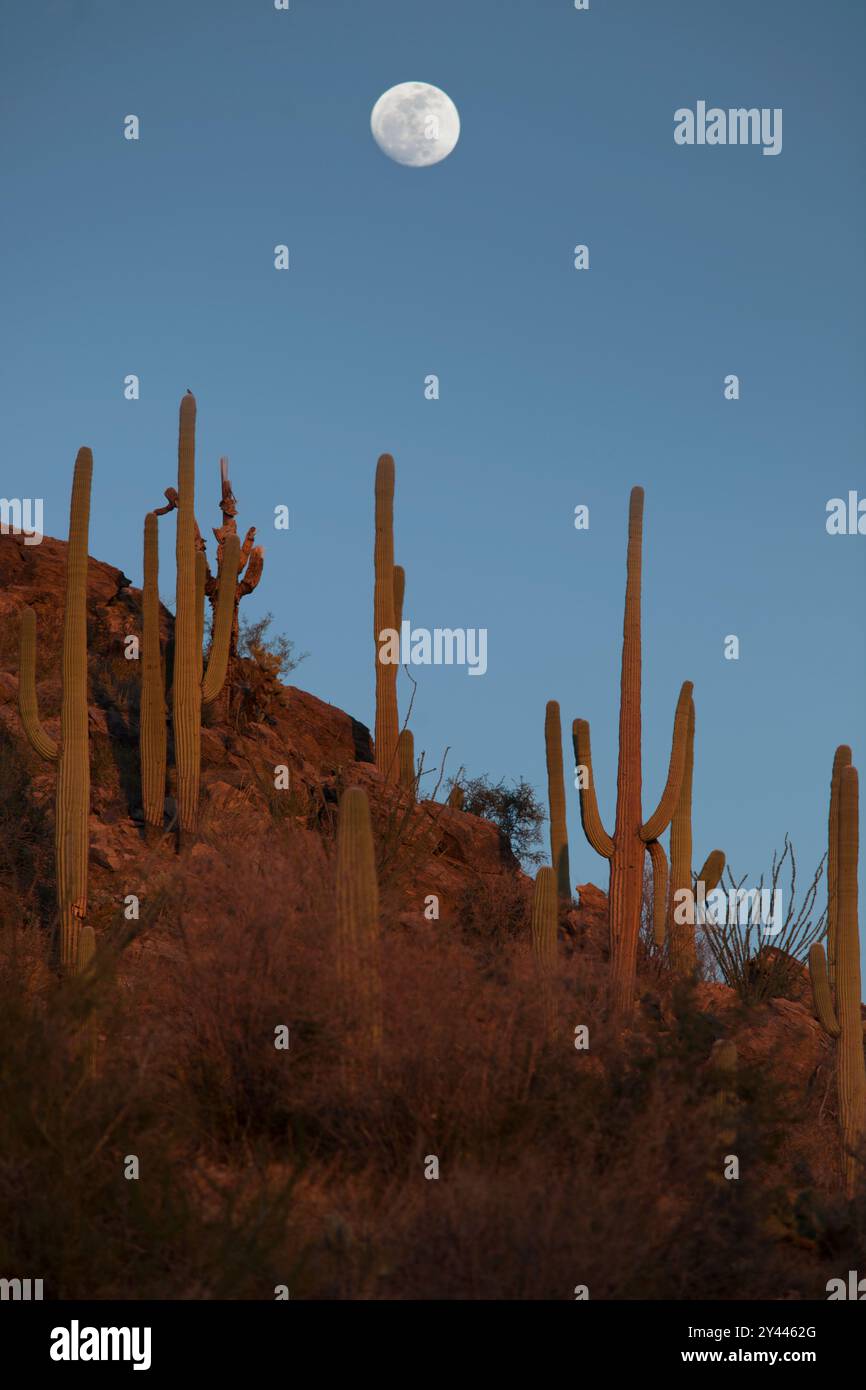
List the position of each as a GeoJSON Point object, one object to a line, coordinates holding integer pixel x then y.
{"type": "Point", "coordinates": [425, 851]}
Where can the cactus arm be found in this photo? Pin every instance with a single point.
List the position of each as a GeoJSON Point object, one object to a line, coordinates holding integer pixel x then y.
{"type": "Point", "coordinates": [661, 876]}
{"type": "Point", "coordinates": [712, 870]}
{"type": "Point", "coordinates": [821, 992]}
{"type": "Point", "coordinates": [399, 595]}
{"type": "Point", "coordinates": [28, 702]}
{"type": "Point", "coordinates": [406, 749]}
{"type": "Point", "coordinates": [590, 816]}
{"type": "Point", "coordinates": [556, 798]}
{"type": "Point", "coordinates": [255, 565]}
{"type": "Point", "coordinates": [661, 817]}
{"type": "Point", "coordinates": [217, 665]}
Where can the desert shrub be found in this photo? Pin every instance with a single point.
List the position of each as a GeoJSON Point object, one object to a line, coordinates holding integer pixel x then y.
{"type": "Point", "coordinates": [514, 808]}
{"type": "Point", "coordinates": [273, 652]}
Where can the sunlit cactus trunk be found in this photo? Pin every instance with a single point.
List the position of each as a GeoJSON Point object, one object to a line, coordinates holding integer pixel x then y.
{"type": "Point", "coordinates": [186, 706]}
{"type": "Point", "coordinates": [837, 1001]}
{"type": "Point", "coordinates": [626, 848]}
{"type": "Point", "coordinates": [152, 728]}
{"type": "Point", "coordinates": [556, 799]}
{"type": "Point", "coordinates": [72, 752]}
{"type": "Point", "coordinates": [387, 724]}
{"type": "Point", "coordinates": [358, 926]}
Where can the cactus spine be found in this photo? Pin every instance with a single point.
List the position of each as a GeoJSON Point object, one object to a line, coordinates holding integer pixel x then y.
{"type": "Point", "coordinates": [683, 954]}
{"type": "Point", "coordinates": [152, 730]}
{"type": "Point", "coordinates": [625, 849]}
{"type": "Point", "coordinates": [358, 917]}
{"type": "Point", "coordinates": [837, 1000]}
{"type": "Point", "coordinates": [383, 621]}
{"type": "Point", "coordinates": [556, 799]}
{"type": "Point", "coordinates": [72, 752]}
{"type": "Point", "coordinates": [190, 691]}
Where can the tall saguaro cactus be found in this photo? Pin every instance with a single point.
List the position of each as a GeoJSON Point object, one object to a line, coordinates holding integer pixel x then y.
{"type": "Point", "coordinates": [357, 918]}
{"type": "Point", "coordinates": [625, 849]}
{"type": "Point", "coordinates": [556, 799]}
{"type": "Point", "coordinates": [72, 753]}
{"type": "Point", "coordinates": [683, 954]}
{"type": "Point", "coordinates": [837, 1002]}
{"type": "Point", "coordinates": [190, 690]}
{"type": "Point", "coordinates": [152, 729]}
{"type": "Point", "coordinates": [384, 595]}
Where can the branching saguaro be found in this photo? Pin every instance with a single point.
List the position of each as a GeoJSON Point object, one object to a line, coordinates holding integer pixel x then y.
{"type": "Point", "coordinates": [386, 592]}
{"type": "Point", "coordinates": [626, 848]}
{"type": "Point", "coordinates": [556, 799]}
{"type": "Point", "coordinates": [837, 1000]}
{"type": "Point", "coordinates": [190, 691]}
{"type": "Point", "coordinates": [72, 753]}
{"type": "Point", "coordinates": [681, 916]}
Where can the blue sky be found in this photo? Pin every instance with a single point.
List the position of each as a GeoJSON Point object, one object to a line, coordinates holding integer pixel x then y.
{"type": "Point", "coordinates": [557, 387]}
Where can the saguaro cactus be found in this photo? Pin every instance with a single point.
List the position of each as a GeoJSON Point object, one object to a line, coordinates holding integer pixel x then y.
{"type": "Point", "coordinates": [683, 954]}
{"type": "Point", "coordinates": [357, 943]}
{"type": "Point", "coordinates": [190, 691]}
{"type": "Point", "coordinates": [152, 728]}
{"type": "Point", "coordinates": [625, 849]}
{"type": "Point", "coordinates": [556, 799]}
{"type": "Point", "coordinates": [406, 744]}
{"type": "Point", "coordinates": [72, 753]}
{"type": "Point", "coordinates": [384, 594]}
{"type": "Point", "coordinates": [837, 1002]}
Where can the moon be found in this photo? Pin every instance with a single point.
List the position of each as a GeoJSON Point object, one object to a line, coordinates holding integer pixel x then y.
{"type": "Point", "coordinates": [415, 124]}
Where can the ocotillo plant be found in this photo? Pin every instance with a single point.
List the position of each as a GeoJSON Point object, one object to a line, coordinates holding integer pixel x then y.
{"type": "Point", "coordinates": [357, 943]}
{"type": "Point", "coordinates": [556, 799]}
{"type": "Point", "coordinates": [544, 929]}
{"type": "Point", "coordinates": [626, 847]}
{"type": "Point", "coordinates": [683, 954]}
{"type": "Point", "coordinates": [72, 752]}
{"type": "Point", "coordinates": [152, 728]}
{"type": "Point", "coordinates": [838, 1004]}
{"type": "Point", "coordinates": [190, 691]}
{"type": "Point", "coordinates": [387, 723]}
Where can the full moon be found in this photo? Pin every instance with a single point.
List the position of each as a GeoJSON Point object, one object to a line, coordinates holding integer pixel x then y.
{"type": "Point", "coordinates": [415, 124]}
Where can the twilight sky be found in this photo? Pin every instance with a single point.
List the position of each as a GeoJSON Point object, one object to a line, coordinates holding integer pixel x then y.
{"type": "Point", "coordinates": [558, 387]}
